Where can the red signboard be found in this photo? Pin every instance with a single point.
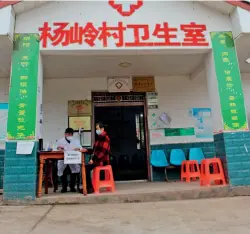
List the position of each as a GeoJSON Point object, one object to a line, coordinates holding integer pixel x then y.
{"type": "Point", "coordinates": [64, 34]}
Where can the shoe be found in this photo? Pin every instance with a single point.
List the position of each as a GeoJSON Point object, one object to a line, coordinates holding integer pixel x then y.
{"type": "Point", "coordinates": [64, 190]}
{"type": "Point", "coordinates": [73, 178]}
{"type": "Point", "coordinates": [89, 191]}
{"type": "Point", "coordinates": [64, 183]}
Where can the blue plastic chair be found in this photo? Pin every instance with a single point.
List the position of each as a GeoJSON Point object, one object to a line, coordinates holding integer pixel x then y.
{"type": "Point", "coordinates": [196, 154]}
{"type": "Point", "coordinates": [177, 156]}
{"type": "Point", "coordinates": [158, 159]}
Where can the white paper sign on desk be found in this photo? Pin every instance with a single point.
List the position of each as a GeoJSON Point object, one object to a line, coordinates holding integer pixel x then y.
{"type": "Point", "coordinates": [72, 157]}
{"type": "Point", "coordinates": [25, 147]}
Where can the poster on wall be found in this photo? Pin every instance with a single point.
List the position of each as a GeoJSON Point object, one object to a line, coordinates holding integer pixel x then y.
{"type": "Point", "coordinates": [152, 100]}
{"type": "Point", "coordinates": [79, 108]}
{"type": "Point", "coordinates": [143, 84]}
{"type": "Point", "coordinates": [203, 123]}
{"type": "Point", "coordinates": [158, 119]}
{"type": "Point", "coordinates": [118, 84]}
{"type": "Point", "coordinates": [23, 96]}
{"type": "Point", "coordinates": [80, 122]}
{"type": "Point", "coordinates": [229, 81]}
{"type": "Point", "coordinates": [3, 120]}
{"type": "Point", "coordinates": [170, 132]}
{"type": "Point", "coordinates": [152, 119]}
{"type": "Point", "coordinates": [156, 136]}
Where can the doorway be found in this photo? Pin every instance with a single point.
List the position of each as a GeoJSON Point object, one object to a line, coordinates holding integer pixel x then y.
{"type": "Point", "coordinates": [125, 116]}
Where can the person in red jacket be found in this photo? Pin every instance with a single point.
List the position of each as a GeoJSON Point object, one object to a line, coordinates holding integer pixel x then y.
{"type": "Point", "coordinates": [99, 154]}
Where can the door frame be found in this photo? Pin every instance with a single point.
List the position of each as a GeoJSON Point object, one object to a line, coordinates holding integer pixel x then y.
{"type": "Point", "coordinates": [119, 104]}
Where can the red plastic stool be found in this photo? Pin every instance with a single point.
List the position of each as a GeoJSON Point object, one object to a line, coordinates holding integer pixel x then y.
{"type": "Point", "coordinates": [190, 170]}
{"type": "Point", "coordinates": [107, 183]}
{"type": "Point", "coordinates": [216, 175]}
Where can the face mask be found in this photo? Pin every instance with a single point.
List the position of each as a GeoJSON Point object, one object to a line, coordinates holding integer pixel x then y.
{"type": "Point", "coordinates": [69, 138]}
{"type": "Point", "coordinates": [98, 132]}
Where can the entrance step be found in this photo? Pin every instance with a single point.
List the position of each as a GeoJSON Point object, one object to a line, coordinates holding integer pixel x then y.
{"type": "Point", "coordinates": [148, 194]}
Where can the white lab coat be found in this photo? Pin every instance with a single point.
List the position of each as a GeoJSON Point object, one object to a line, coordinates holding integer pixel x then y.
{"type": "Point", "coordinates": [75, 168]}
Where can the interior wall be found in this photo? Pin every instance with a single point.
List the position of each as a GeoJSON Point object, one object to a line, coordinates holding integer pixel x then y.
{"type": "Point", "coordinates": [4, 95]}
{"type": "Point", "coordinates": [176, 95]}
{"type": "Point", "coordinates": [175, 99]}
{"type": "Point", "coordinates": [246, 88]}
{"type": "Point", "coordinates": [57, 93]}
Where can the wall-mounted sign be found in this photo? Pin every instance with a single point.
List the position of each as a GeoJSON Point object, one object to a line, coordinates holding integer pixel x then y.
{"type": "Point", "coordinates": [170, 132]}
{"type": "Point", "coordinates": [144, 35]}
{"type": "Point", "coordinates": [152, 100]}
{"type": "Point", "coordinates": [229, 82]}
{"type": "Point", "coordinates": [143, 84]}
{"type": "Point", "coordinates": [118, 84]}
{"type": "Point", "coordinates": [80, 122]}
{"type": "Point", "coordinates": [79, 108]}
{"type": "Point", "coordinates": [22, 115]}
{"type": "Point", "coordinates": [203, 122]}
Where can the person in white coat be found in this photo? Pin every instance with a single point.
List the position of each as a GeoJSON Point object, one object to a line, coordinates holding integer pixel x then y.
{"type": "Point", "coordinates": [68, 143]}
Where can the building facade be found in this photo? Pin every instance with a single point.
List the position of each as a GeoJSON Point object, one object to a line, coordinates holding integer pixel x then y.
{"type": "Point", "coordinates": [194, 53]}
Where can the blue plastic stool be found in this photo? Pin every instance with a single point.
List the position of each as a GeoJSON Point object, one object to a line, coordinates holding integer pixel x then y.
{"type": "Point", "coordinates": [177, 156]}
{"type": "Point", "coordinates": [158, 159]}
{"type": "Point", "coordinates": [196, 154]}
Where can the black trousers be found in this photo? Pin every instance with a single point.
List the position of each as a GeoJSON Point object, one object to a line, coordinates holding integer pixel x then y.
{"type": "Point", "coordinates": [88, 169]}
{"type": "Point", "coordinates": [73, 177]}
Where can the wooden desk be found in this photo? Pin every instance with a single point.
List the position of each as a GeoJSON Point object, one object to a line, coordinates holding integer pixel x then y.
{"type": "Point", "coordinates": [59, 155]}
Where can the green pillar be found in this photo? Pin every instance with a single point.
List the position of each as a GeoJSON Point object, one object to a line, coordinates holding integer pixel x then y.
{"type": "Point", "coordinates": [232, 137]}
{"type": "Point", "coordinates": [20, 172]}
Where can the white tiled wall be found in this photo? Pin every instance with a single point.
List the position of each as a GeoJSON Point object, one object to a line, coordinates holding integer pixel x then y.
{"type": "Point", "coordinates": [246, 88]}
{"type": "Point", "coordinates": [176, 95]}
{"type": "Point", "coordinates": [57, 92]}
{"type": "Point", "coordinates": [4, 93]}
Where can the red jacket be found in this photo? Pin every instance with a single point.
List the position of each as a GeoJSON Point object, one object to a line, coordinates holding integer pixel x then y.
{"type": "Point", "coordinates": [101, 150]}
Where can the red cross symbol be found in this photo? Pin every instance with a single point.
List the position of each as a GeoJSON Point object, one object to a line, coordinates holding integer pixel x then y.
{"type": "Point", "coordinates": [126, 12]}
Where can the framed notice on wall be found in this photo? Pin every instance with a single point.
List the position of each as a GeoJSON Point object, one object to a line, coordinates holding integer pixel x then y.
{"type": "Point", "coordinates": [143, 84]}
{"type": "Point", "coordinates": [118, 84]}
{"type": "Point", "coordinates": [80, 122]}
{"type": "Point", "coordinates": [3, 120]}
{"type": "Point", "coordinates": [79, 108]}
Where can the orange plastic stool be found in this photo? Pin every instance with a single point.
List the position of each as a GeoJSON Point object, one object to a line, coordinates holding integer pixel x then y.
{"type": "Point", "coordinates": [107, 183]}
{"type": "Point", "coordinates": [190, 170]}
{"type": "Point", "coordinates": [216, 175]}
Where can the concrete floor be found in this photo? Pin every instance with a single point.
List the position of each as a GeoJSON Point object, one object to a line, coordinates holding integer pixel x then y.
{"type": "Point", "coordinates": [217, 216]}
{"type": "Point", "coordinates": [137, 187]}
{"type": "Point", "coordinates": [137, 192]}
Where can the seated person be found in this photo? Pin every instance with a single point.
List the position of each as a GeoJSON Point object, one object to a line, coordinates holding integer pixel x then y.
{"type": "Point", "coordinates": [100, 154]}
{"type": "Point", "coordinates": [68, 143]}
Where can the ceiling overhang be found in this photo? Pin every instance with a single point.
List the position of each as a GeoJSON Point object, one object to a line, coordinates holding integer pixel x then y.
{"type": "Point", "coordinates": [242, 4]}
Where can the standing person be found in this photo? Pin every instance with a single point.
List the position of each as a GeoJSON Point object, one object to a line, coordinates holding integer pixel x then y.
{"type": "Point", "coordinates": [68, 143]}
{"type": "Point", "coordinates": [99, 154]}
